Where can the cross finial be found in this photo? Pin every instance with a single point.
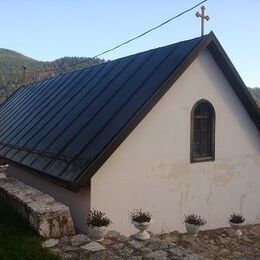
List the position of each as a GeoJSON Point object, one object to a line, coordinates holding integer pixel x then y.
{"type": "Point", "coordinates": [203, 17]}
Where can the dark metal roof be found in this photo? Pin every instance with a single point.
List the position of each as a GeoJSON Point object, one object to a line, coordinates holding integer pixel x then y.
{"type": "Point", "coordinates": [66, 127]}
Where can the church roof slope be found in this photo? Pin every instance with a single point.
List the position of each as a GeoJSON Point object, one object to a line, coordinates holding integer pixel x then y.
{"type": "Point", "coordinates": [66, 127]}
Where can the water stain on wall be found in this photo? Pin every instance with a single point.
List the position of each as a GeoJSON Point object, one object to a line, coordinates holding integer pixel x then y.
{"type": "Point", "coordinates": [208, 198]}
{"type": "Point", "coordinates": [179, 178]}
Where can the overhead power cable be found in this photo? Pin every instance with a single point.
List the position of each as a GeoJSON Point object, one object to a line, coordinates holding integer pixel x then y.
{"type": "Point", "coordinates": [150, 30]}
{"type": "Point", "coordinates": [132, 39]}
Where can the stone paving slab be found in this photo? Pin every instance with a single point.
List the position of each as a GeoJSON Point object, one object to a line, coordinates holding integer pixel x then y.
{"type": "Point", "coordinates": [47, 216]}
{"type": "Point", "coordinates": [213, 244]}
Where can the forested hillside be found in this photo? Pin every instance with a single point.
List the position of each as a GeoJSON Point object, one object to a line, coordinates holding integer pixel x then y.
{"type": "Point", "coordinates": [256, 94]}
{"type": "Point", "coordinates": [11, 69]}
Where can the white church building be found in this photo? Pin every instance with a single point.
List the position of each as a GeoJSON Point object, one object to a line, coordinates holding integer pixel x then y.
{"type": "Point", "coordinates": [172, 131]}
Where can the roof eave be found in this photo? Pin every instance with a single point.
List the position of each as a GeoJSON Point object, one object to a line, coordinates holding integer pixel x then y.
{"type": "Point", "coordinates": [65, 184]}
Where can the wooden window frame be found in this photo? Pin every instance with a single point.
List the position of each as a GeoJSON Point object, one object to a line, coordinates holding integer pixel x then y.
{"type": "Point", "coordinates": [208, 158]}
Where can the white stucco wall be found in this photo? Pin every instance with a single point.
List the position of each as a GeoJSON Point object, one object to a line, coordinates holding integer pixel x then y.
{"type": "Point", "coordinates": [151, 169]}
{"type": "Point", "coordinates": [79, 203]}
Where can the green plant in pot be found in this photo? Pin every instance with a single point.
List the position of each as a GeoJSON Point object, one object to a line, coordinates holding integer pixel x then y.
{"type": "Point", "coordinates": [236, 221]}
{"type": "Point", "coordinates": [142, 221]}
{"type": "Point", "coordinates": [193, 223]}
{"type": "Point", "coordinates": [97, 223]}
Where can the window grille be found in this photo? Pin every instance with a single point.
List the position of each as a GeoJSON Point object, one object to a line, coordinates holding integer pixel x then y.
{"type": "Point", "coordinates": [202, 132]}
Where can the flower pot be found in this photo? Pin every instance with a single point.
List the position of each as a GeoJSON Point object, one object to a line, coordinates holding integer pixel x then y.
{"type": "Point", "coordinates": [192, 229]}
{"type": "Point", "coordinates": [142, 227]}
{"type": "Point", "coordinates": [96, 233]}
{"type": "Point", "coordinates": [236, 227]}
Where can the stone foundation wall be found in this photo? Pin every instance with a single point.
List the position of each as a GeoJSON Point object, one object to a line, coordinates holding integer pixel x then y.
{"type": "Point", "coordinates": [78, 202]}
{"type": "Point", "coordinates": [48, 217]}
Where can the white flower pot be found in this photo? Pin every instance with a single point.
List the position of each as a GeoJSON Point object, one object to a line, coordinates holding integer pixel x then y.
{"type": "Point", "coordinates": [192, 229]}
{"type": "Point", "coordinates": [236, 227]}
{"type": "Point", "coordinates": [142, 227]}
{"type": "Point", "coordinates": [96, 233]}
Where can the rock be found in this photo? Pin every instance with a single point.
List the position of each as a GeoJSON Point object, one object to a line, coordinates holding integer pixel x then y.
{"type": "Point", "coordinates": [116, 236]}
{"type": "Point", "coordinates": [189, 240]}
{"type": "Point", "coordinates": [69, 256]}
{"type": "Point", "coordinates": [126, 251]}
{"type": "Point", "coordinates": [224, 251]}
{"type": "Point", "coordinates": [69, 249]}
{"type": "Point", "coordinates": [237, 253]}
{"type": "Point", "coordinates": [135, 258]}
{"type": "Point", "coordinates": [158, 255]}
{"type": "Point", "coordinates": [245, 238]}
{"type": "Point", "coordinates": [178, 251]}
{"type": "Point", "coordinates": [193, 257]}
{"type": "Point", "coordinates": [247, 258]}
{"type": "Point", "coordinates": [222, 240]}
{"type": "Point", "coordinates": [212, 241]}
{"type": "Point", "coordinates": [79, 240]}
{"type": "Point", "coordinates": [100, 255]}
{"type": "Point", "coordinates": [146, 250]}
{"type": "Point", "coordinates": [214, 247]}
{"type": "Point", "coordinates": [118, 246]}
{"type": "Point", "coordinates": [175, 236]}
{"type": "Point", "coordinates": [64, 241]}
{"type": "Point", "coordinates": [107, 242]}
{"type": "Point", "coordinates": [2, 176]}
{"type": "Point", "coordinates": [136, 244]}
{"type": "Point", "coordinates": [160, 244]}
{"type": "Point", "coordinates": [122, 238]}
{"type": "Point", "coordinates": [113, 234]}
{"type": "Point", "coordinates": [50, 243]}
{"type": "Point", "coordinates": [93, 247]}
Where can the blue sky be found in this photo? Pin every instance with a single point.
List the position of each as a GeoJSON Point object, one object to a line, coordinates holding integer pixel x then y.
{"type": "Point", "coordinates": [50, 29]}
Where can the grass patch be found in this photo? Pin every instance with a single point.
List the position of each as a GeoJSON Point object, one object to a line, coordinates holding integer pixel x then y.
{"type": "Point", "coordinates": [17, 239]}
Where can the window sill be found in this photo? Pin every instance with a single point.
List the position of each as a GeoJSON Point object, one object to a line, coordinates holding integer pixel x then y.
{"type": "Point", "coordinates": [204, 159]}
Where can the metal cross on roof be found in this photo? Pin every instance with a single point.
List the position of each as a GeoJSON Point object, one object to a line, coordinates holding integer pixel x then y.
{"type": "Point", "coordinates": [203, 17]}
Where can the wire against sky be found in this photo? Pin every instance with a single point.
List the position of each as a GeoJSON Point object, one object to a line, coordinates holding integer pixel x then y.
{"type": "Point", "coordinates": [150, 30]}
{"type": "Point", "coordinates": [134, 38]}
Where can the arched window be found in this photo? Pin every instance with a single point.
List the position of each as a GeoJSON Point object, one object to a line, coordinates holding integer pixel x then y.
{"type": "Point", "coordinates": [202, 132]}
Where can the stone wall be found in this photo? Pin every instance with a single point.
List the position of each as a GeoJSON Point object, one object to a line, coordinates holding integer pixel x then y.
{"type": "Point", "coordinates": [47, 216]}
{"type": "Point", "coordinates": [78, 202]}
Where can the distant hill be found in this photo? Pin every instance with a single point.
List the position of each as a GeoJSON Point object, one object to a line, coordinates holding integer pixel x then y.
{"type": "Point", "coordinates": [255, 92]}
{"type": "Point", "coordinates": [11, 69]}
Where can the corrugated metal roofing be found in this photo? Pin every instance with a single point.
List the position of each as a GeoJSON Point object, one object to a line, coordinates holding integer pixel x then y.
{"type": "Point", "coordinates": [61, 126]}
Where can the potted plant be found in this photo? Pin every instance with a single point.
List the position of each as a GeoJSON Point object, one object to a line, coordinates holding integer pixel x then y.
{"type": "Point", "coordinates": [236, 221]}
{"type": "Point", "coordinates": [193, 223]}
{"type": "Point", "coordinates": [97, 223]}
{"type": "Point", "coordinates": [141, 220]}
